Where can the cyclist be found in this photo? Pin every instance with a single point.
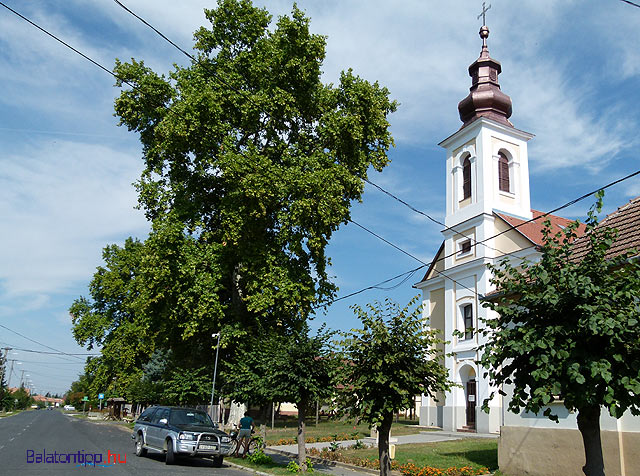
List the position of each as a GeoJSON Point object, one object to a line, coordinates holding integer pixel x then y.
{"type": "Point", "coordinates": [244, 435]}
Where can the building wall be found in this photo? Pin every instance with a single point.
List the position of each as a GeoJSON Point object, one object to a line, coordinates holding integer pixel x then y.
{"type": "Point", "coordinates": [534, 451]}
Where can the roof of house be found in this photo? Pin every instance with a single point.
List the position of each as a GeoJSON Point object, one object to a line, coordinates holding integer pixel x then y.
{"type": "Point", "coordinates": [626, 220]}
{"type": "Point", "coordinates": [532, 230]}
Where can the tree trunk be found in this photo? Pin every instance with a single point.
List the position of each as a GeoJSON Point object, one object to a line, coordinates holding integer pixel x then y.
{"type": "Point", "coordinates": [383, 444]}
{"type": "Point", "coordinates": [589, 426]}
{"type": "Point", "coordinates": [302, 451]}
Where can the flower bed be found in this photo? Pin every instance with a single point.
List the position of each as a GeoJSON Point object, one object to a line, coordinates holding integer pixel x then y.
{"type": "Point", "coordinates": [407, 469]}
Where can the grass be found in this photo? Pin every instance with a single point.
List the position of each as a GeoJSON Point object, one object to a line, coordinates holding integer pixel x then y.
{"type": "Point", "coordinates": [271, 468]}
{"type": "Point", "coordinates": [474, 452]}
{"type": "Point", "coordinates": [288, 429]}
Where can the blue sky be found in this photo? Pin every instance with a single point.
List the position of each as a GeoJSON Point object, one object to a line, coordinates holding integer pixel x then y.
{"type": "Point", "coordinates": [571, 68]}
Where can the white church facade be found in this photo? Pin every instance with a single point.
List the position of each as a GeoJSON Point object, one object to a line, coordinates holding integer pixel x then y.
{"type": "Point", "coordinates": [487, 187]}
{"type": "Point", "coordinates": [487, 195]}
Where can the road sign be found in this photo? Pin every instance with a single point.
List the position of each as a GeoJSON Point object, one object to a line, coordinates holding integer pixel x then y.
{"type": "Point", "coordinates": [100, 396]}
{"type": "Point", "coordinates": [85, 399]}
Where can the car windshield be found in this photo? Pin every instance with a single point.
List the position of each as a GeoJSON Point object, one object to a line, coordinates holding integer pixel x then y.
{"type": "Point", "coordinates": [184, 417]}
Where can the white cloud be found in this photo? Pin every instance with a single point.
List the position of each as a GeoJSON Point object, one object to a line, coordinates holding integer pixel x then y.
{"type": "Point", "coordinates": [63, 202]}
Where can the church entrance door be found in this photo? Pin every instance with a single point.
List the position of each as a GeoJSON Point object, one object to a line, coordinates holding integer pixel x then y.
{"type": "Point", "coordinates": [471, 404]}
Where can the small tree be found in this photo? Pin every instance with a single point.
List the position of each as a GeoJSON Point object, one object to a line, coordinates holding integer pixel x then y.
{"type": "Point", "coordinates": [295, 367]}
{"type": "Point", "coordinates": [387, 363]}
{"type": "Point", "coordinates": [568, 329]}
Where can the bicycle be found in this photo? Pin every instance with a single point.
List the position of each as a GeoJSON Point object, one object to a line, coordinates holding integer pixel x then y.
{"type": "Point", "coordinates": [255, 443]}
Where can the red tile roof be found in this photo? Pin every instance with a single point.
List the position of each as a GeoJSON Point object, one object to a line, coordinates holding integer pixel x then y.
{"type": "Point", "coordinates": [626, 220]}
{"type": "Point", "coordinates": [533, 230]}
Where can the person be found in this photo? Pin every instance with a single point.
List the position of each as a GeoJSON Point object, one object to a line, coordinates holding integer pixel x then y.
{"type": "Point", "coordinates": [244, 435]}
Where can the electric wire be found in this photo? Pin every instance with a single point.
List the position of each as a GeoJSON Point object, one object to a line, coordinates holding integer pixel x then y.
{"type": "Point", "coordinates": [36, 342]}
{"type": "Point", "coordinates": [438, 222]}
{"type": "Point", "coordinates": [631, 3]}
{"type": "Point", "coordinates": [53, 353]}
{"type": "Point", "coordinates": [409, 254]}
{"type": "Point", "coordinates": [63, 42]}
{"type": "Point", "coordinates": [551, 212]}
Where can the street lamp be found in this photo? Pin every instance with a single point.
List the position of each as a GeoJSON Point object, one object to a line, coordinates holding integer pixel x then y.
{"type": "Point", "coordinates": [215, 371]}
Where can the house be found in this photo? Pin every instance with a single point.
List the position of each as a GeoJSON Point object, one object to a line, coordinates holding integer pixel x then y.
{"type": "Point", "coordinates": [489, 216]}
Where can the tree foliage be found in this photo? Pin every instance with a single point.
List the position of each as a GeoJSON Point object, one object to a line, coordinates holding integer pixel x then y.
{"type": "Point", "coordinates": [293, 367]}
{"type": "Point", "coordinates": [567, 328]}
{"type": "Point", "coordinates": [387, 363]}
{"type": "Point", "coordinates": [255, 156]}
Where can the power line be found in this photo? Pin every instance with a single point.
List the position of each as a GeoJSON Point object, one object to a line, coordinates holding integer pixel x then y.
{"type": "Point", "coordinates": [190, 56]}
{"type": "Point", "coordinates": [155, 29]}
{"type": "Point", "coordinates": [551, 212]}
{"type": "Point", "coordinates": [631, 3]}
{"type": "Point", "coordinates": [409, 254]}
{"type": "Point", "coordinates": [408, 274]}
{"type": "Point", "coordinates": [420, 212]}
{"type": "Point", "coordinates": [510, 227]}
{"type": "Point", "coordinates": [47, 363]}
{"type": "Point", "coordinates": [52, 353]}
{"type": "Point", "coordinates": [64, 43]}
{"type": "Point", "coordinates": [36, 342]}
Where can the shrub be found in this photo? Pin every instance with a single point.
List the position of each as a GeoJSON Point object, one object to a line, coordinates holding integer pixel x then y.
{"type": "Point", "coordinates": [259, 457]}
{"type": "Point", "coordinates": [294, 467]}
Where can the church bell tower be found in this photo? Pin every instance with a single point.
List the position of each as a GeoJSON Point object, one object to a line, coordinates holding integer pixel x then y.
{"type": "Point", "coordinates": [487, 162]}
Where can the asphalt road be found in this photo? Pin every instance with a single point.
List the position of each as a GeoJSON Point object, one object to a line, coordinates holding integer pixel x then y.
{"type": "Point", "coordinates": [29, 435]}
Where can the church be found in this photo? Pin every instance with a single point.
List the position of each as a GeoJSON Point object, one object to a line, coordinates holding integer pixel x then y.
{"type": "Point", "coordinates": [488, 213]}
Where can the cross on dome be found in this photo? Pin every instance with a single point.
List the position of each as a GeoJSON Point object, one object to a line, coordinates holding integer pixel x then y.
{"type": "Point", "coordinates": [484, 12]}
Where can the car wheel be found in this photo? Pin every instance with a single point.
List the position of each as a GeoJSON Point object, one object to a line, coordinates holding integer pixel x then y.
{"type": "Point", "coordinates": [217, 461]}
{"type": "Point", "coordinates": [140, 449]}
{"type": "Point", "coordinates": [170, 457]}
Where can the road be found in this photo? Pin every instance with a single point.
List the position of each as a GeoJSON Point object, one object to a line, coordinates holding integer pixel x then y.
{"type": "Point", "coordinates": [28, 436]}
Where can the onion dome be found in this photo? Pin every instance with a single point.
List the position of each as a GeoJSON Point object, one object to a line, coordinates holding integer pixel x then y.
{"type": "Point", "coordinates": [485, 99]}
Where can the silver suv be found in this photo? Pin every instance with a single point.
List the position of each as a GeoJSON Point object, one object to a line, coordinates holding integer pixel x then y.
{"type": "Point", "coordinates": [178, 431]}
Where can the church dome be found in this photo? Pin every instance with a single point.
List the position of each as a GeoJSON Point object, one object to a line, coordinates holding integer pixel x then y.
{"type": "Point", "coordinates": [485, 98]}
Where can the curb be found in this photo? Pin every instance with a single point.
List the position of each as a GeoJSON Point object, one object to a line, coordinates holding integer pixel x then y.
{"type": "Point", "coordinates": [245, 468]}
{"type": "Point", "coordinates": [328, 462]}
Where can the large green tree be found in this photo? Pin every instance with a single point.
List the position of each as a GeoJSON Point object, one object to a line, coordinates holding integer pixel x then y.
{"type": "Point", "coordinates": [393, 358]}
{"type": "Point", "coordinates": [256, 157]}
{"type": "Point", "coordinates": [567, 328]}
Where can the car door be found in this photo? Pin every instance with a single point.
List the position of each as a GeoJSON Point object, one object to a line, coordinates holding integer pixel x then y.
{"type": "Point", "coordinates": [155, 434]}
{"type": "Point", "coordinates": [144, 422]}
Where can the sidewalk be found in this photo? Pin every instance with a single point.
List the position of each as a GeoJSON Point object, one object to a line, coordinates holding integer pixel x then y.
{"type": "Point", "coordinates": [422, 437]}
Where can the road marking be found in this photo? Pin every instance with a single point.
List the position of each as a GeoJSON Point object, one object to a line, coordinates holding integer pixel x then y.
{"type": "Point", "coordinates": [10, 439]}
{"type": "Point", "coordinates": [1, 447]}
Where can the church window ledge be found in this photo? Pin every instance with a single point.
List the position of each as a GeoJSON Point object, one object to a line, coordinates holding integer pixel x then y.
{"type": "Point", "coordinates": [464, 346]}
{"type": "Point", "coordinates": [507, 194]}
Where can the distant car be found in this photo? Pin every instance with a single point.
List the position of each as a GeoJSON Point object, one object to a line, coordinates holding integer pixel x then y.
{"type": "Point", "coordinates": [179, 431]}
{"type": "Point", "coordinates": [69, 407]}
{"type": "Point", "coordinates": [34, 406]}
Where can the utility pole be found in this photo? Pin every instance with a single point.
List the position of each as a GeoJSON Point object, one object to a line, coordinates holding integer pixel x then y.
{"type": "Point", "coordinates": [10, 372]}
{"type": "Point", "coordinates": [3, 362]}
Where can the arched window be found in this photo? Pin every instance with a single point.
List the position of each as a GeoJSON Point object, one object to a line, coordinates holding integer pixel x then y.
{"type": "Point", "coordinates": [466, 178]}
{"type": "Point", "coordinates": [503, 173]}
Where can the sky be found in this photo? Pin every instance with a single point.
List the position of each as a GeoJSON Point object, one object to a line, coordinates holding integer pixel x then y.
{"type": "Point", "coordinates": [571, 68]}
